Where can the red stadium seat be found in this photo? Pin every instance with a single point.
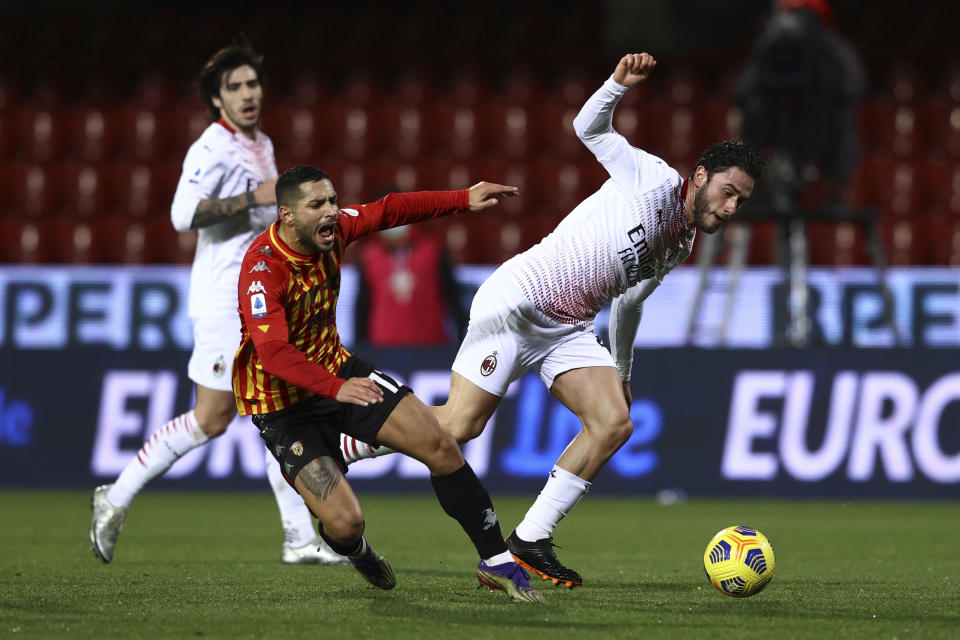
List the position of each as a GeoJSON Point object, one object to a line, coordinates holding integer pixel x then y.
{"type": "Point", "coordinates": [345, 132]}
{"type": "Point", "coordinates": [836, 244]}
{"type": "Point", "coordinates": [942, 120]}
{"type": "Point", "coordinates": [141, 135]}
{"type": "Point", "coordinates": [90, 139]}
{"type": "Point", "coordinates": [453, 131]}
{"type": "Point", "coordinates": [181, 127]}
{"type": "Point", "coordinates": [894, 187]}
{"type": "Point", "coordinates": [83, 190]}
{"type": "Point", "coordinates": [398, 131]}
{"type": "Point", "coordinates": [75, 242]}
{"type": "Point", "coordinates": [892, 128]}
{"type": "Point", "coordinates": [167, 245]}
{"type": "Point", "coordinates": [296, 135]}
{"type": "Point", "coordinates": [24, 242]}
{"type": "Point", "coordinates": [943, 242]}
{"type": "Point", "coordinates": [902, 242]}
{"type": "Point", "coordinates": [39, 135]}
{"type": "Point", "coordinates": [30, 189]}
{"type": "Point", "coordinates": [505, 132]}
{"type": "Point", "coordinates": [140, 190]}
{"type": "Point", "coordinates": [941, 180]}
{"type": "Point", "coordinates": [764, 237]}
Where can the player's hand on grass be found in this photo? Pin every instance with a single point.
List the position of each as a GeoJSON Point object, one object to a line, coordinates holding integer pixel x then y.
{"type": "Point", "coordinates": [361, 391]}
{"type": "Point", "coordinates": [633, 69]}
{"type": "Point", "coordinates": [266, 193]}
{"type": "Point", "coordinates": [484, 195]}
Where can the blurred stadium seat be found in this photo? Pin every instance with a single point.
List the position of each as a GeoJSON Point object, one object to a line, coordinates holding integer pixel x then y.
{"type": "Point", "coordinates": [836, 244]}
{"type": "Point", "coordinates": [38, 135]}
{"type": "Point", "coordinates": [168, 246]}
{"type": "Point", "coordinates": [22, 241]}
{"type": "Point", "coordinates": [30, 190]}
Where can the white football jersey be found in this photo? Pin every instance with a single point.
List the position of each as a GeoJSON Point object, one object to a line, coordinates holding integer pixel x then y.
{"type": "Point", "coordinates": [221, 164]}
{"type": "Point", "coordinates": [630, 230]}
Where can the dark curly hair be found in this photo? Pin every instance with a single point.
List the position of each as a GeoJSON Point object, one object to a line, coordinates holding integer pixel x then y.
{"type": "Point", "coordinates": [723, 155]}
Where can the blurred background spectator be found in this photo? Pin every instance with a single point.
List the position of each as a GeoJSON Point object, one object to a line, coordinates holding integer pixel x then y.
{"type": "Point", "coordinates": [798, 95]}
{"type": "Point", "coordinates": [407, 294]}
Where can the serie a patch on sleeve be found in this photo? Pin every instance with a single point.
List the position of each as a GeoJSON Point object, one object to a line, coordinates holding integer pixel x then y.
{"type": "Point", "coordinates": [258, 305]}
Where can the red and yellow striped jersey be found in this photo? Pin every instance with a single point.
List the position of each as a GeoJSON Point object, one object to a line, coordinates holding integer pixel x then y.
{"type": "Point", "coordinates": [290, 348]}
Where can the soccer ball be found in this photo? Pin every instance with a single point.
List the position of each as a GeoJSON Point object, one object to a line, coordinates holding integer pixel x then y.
{"type": "Point", "coordinates": [739, 561]}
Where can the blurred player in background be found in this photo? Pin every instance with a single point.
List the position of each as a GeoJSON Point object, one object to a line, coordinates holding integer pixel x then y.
{"type": "Point", "coordinates": [304, 388]}
{"type": "Point", "coordinates": [226, 192]}
{"type": "Point", "coordinates": [537, 310]}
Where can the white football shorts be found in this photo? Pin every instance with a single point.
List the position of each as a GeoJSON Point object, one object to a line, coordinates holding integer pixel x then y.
{"type": "Point", "coordinates": [215, 342]}
{"type": "Point", "coordinates": [508, 336]}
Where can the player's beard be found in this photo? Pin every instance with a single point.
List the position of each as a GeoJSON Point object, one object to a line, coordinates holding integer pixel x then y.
{"type": "Point", "coordinates": [701, 211]}
{"type": "Point", "coordinates": [305, 235]}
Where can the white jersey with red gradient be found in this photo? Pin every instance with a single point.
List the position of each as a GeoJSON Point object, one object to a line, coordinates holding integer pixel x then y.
{"type": "Point", "coordinates": [630, 230]}
{"type": "Point", "coordinates": [220, 164]}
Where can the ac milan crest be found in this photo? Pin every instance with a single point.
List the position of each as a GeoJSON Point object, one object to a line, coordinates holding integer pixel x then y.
{"type": "Point", "coordinates": [489, 364]}
{"type": "Point", "coordinates": [219, 367]}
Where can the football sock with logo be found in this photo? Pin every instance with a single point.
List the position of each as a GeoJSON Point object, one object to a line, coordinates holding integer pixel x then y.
{"type": "Point", "coordinates": [465, 500]}
{"type": "Point", "coordinates": [561, 494]}
{"type": "Point", "coordinates": [353, 449]}
{"type": "Point", "coordinates": [168, 444]}
{"type": "Point", "coordinates": [297, 523]}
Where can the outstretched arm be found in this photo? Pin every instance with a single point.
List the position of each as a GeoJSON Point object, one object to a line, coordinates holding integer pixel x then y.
{"type": "Point", "coordinates": [395, 209]}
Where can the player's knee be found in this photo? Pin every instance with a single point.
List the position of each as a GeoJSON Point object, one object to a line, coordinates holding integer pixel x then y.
{"type": "Point", "coordinates": [464, 430]}
{"type": "Point", "coordinates": [441, 453]}
{"type": "Point", "coordinates": [620, 431]}
{"type": "Point", "coordinates": [613, 431]}
{"type": "Point", "coordinates": [214, 422]}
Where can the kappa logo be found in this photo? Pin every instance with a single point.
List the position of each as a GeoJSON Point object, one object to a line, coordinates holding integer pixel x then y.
{"type": "Point", "coordinates": [219, 367]}
{"type": "Point", "coordinates": [297, 448]}
{"type": "Point", "coordinates": [260, 266]}
{"type": "Point", "coordinates": [267, 251]}
{"type": "Point", "coordinates": [489, 519]}
{"type": "Point", "coordinates": [489, 364]}
{"type": "Point", "coordinates": [256, 287]}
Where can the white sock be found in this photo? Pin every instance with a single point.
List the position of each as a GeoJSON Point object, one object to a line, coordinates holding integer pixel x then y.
{"type": "Point", "coordinates": [561, 494]}
{"type": "Point", "coordinates": [500, 558]}
{"type": "Point", "coordinates": [354, 449]}
{"type": "Point", "coordinates": [297, 523]}
{"type": "Point", "coordinates": [171, 442]}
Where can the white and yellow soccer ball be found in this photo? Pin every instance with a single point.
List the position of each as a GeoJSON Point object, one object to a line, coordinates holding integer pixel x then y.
{"type": "Point", "coordinates": [739, 561]}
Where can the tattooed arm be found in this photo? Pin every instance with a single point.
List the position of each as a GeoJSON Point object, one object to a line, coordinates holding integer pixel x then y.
{"type": "Point", "coordinates": [212, 210]}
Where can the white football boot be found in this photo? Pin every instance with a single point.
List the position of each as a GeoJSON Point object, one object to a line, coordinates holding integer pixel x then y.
{"type": "Point", "coordinates": [314, 552]}
{"type": "Point", "coordinates": [106, 525]}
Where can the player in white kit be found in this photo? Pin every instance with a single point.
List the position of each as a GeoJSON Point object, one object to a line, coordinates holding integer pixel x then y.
{"type": "Point", "coordinates": [226, 192]}
{"type": "Point", "coordinates": [537, 310]}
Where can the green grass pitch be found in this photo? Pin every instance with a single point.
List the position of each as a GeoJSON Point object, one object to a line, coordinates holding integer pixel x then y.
{"type": "Point", "coordinates": [207, 565]}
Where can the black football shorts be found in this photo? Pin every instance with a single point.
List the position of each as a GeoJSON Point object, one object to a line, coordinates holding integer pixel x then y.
{"type": "Point", "coordinates": [311, 428]}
